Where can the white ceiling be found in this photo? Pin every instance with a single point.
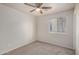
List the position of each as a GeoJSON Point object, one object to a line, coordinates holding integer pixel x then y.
{"type": "Point", "coordinates": [56, 7]}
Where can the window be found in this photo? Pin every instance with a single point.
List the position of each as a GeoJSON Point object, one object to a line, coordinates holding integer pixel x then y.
{"type": "Point", "coordinates": [57, 25]}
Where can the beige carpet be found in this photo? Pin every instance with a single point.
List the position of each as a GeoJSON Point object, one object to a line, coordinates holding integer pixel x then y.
{"type": "Point", "coordinates": [39, 48]}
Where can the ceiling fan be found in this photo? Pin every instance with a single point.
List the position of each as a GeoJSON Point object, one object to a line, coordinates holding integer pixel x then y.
{"type": "Point", "coordinates": [37, 7]}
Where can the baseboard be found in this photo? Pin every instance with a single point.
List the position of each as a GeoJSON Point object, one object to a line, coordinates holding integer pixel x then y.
{"type": "Point", "coordinates": [54, 44]}
{"type": "Point", "coordinates": [31, 43]}
{"type": "Point", "coordinates": [17, 47]}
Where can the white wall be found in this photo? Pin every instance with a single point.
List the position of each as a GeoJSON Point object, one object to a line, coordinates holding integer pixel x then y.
{"type": "Point", "coordinates": [16, 29]}
{"type": "Point", "coordinates": [76, 13]}
{"type": "Point", "coordinates": [61, 39]}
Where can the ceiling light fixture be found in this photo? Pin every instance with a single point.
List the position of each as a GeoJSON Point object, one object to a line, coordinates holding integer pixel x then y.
{"type": "Point", "coordinates": [38, 9]}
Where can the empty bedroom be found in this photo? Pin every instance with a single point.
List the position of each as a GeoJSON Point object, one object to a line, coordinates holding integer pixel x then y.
{"type": "Point", "coordinates": [39, 28]}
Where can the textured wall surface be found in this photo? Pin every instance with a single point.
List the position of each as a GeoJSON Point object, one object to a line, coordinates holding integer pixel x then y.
{"type": "Point", "coordinates": [61, 39]}
{"type": "Point", "coordinates": [16, 29]}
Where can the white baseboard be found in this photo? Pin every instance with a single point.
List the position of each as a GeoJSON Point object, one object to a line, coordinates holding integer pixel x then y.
{"type": "Point", "coordinates": [54, 44]}
{"type": "Point", "coordinates": [23, 43]}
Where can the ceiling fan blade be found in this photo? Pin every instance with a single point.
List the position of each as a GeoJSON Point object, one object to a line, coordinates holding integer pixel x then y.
{"type": "Point", "coordinates": [41, 12]}
{"type": "Point", "coordinates": [38, 5]}
{"type": "Point", "coordinates": [46, 7]}
{"type": "Point", "coordinates": [29, 4]}
{"type": "Point", "coordinates": [32, 10]}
